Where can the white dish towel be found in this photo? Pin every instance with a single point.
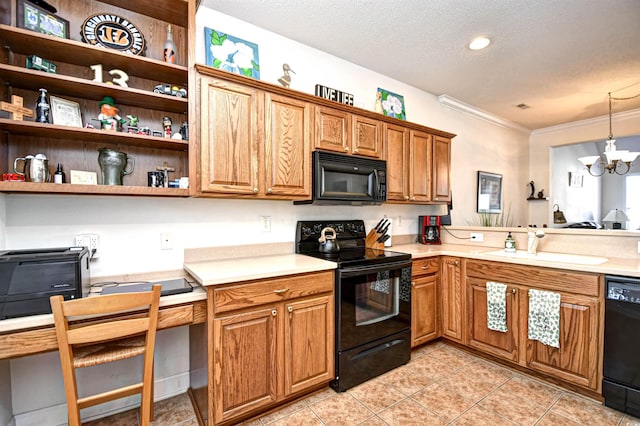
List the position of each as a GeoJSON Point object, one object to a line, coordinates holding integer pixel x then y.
{"type": "Point", "coordinates": [497, 306]}
{"type": "Point", "coordinates": [544, 317]}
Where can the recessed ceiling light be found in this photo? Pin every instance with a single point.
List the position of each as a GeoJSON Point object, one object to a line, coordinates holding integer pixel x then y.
{"type": "Point", "coordinates": [479, 43]}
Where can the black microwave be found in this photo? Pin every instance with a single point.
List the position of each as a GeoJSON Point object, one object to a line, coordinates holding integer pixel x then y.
{"type": "Point", "coordinates": [345, 179]}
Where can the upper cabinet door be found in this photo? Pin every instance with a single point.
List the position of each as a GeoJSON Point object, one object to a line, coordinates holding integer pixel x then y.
{"type": "Point", "coordinates": [229, 137]}
{"type": "Point", "coordinates": [287, 147]}
{"type": "Point", "coordinates": [333, 130]}
{"type": "Point", "coordinates": [396, 147]}
{"type": "Point", "coordinates": [367, 137]}
{"type": "Point", "coordinates": [420, 160]}
{"type": "Point", "coordinates": [441, 169]}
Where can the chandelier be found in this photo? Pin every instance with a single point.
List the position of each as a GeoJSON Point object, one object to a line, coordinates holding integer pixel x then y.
{"type": "Point", "coordinates": [618, 162]}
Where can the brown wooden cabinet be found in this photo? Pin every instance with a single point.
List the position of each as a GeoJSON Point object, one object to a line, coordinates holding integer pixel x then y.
{"type": "Point", "coordinates": [76, 148]}
{"type": "Point", "coordinates": [417, 165]}
{"type": "Point", "coordinates": [501, 344]}
{"type": "Point", "coordinates": [453, 306]}
{"type": "Point", "coordinates": [253, 143]}
{"type": "Point", "coordinates": [425, 301]}
{"type": "Point", "coordinates": [265, 342]}
{"type": "Point", "coordinates": [578, 359]}
{"type": "Point", "coordinates": [347, 133]}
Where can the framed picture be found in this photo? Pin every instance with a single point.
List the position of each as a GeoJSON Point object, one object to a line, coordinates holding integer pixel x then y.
{"type": "Point", "coordinates": [575, 179]}
{"type": "Point", "coordinates": [35, 18]}
{"type": "Point", "coordinates": [489, 192]}
{"type": "Point", "coordinates": [392, 104]}
{"type": "Point", "coordinates": [233, 54]}
{"type": "Point", "coordinates": [65, 112]}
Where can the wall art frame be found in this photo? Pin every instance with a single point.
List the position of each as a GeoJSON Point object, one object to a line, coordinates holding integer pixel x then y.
{"type": "Point", "coordinates": [65, 112]}
{"type": "Point", "coordinates": [392, 104]}
{"type": "Point", "coordinates": [229, 53]}
{"type": "Point", "coordinates": [38, 19]}
{"type": "Point", "coordinates": [489, 192]}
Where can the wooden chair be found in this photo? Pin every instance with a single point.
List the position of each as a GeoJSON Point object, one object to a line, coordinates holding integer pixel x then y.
{"type": "Point", "coordinates": [101, 337]}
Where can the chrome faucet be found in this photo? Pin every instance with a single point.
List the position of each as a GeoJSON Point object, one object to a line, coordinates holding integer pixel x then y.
{"type": "Point", "coordinates": [532, 242]}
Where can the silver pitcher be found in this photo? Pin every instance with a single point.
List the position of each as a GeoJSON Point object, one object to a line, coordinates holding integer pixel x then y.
{"type": "Point", "coordinates": [34, 168]}
{"type": "Point", "coordinates": [113, 165]}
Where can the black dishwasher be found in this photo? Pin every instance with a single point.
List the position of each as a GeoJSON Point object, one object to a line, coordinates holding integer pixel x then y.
{"type": "Point", "coordinates": [621, 382]}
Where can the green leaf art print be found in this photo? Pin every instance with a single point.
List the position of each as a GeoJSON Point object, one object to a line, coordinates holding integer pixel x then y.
{"type": "Point", "coordinates": [233, 54]}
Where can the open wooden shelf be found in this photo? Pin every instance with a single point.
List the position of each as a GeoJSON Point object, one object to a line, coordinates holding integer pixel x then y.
{"type": "Point", "coordinates": [52, 131]}
{"type": "Point", "coordinates": [77, 87]}
{"type": "Point", "coordinates": [172, 11]}
{"type": "Point", "coordinates": [66, 188]}
{"type": "Point", "coordinates": [56, 49]}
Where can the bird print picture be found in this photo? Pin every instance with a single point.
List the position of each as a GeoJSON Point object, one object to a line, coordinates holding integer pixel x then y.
{"type": "Point", "coordinates": [233, 54]}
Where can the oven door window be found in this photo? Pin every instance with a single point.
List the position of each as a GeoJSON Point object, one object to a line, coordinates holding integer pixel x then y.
{"type": "Point", "coordinates": [377, 298]}
{"type": "Point", "coordinates": [373, 304]}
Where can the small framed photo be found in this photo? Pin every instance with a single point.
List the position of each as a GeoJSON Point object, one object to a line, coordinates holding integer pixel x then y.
{"type": "Point", "coordinates": [36, 18]}
{"type": "Point", "coordinates": [575, 179]}
{"type": "Point", "coordinates": [65, 112]}
{"type": "Point", "coordinates": [489, 192]}
{"type": "Point", "coordinates": [392, 104]}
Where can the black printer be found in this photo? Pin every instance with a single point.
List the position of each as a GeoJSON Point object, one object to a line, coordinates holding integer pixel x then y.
{"type": "Point", "coordinates": [29, 277]}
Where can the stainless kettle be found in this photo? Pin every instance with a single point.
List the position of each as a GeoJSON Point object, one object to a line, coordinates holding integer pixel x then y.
{"type": "Point", "coordinates": [34, 168]}
{"type": "Point", "coordinates": [328, 243]}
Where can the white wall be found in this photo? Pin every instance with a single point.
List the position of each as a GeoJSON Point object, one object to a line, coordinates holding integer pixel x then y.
{"type": "Point", "coordinates": [129, 227]}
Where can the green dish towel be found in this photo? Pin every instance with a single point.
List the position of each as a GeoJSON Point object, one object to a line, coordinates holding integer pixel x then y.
{"type": "Point", "coordinates": [497, 306]}
{"type": "Point", "coordinates": [544, 317]}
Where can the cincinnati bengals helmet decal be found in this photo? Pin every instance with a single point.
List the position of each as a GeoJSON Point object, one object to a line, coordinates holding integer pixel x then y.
{"type": "Point", "coordinates": [114, 32]}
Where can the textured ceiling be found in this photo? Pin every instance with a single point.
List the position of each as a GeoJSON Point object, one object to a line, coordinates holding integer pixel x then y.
{"type": "Point", "coordinates": [560, 57]}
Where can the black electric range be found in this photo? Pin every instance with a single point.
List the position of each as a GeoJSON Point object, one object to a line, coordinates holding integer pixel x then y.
{"type": "Point", "coordinates": [350, 235]}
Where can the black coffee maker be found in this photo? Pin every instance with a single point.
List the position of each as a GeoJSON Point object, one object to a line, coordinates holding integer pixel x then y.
{"type": "Point", "coordinates": [429, 229]}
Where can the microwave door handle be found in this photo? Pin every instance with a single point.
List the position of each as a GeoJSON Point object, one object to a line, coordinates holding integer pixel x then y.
{"type": "Point", "coordinates": [375, 175]}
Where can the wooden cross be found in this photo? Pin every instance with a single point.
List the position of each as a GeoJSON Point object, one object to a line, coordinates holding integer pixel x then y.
{"type": "Point", "coordinates": [166, 169]}
{"type": "Point", "coordinates": [15, 109]}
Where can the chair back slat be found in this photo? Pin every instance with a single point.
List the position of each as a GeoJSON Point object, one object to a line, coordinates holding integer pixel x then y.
{"type": "Point", "coordinates": [107, 331]}
{"type": "Point", "coordinates": [112, 303]}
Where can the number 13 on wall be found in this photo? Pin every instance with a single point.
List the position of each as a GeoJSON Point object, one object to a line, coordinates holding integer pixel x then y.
{"type": "Point", "coordinates": [119, 77]}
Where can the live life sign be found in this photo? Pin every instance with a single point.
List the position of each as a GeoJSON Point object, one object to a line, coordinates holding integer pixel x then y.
{"type": "Point", "coordinates": [334, 95]}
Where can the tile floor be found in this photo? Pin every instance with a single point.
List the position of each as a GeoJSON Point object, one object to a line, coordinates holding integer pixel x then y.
{"type": "Point", "coordinates": [441, 385]}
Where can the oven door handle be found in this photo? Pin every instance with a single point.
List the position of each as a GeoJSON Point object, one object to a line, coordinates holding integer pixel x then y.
{"type": "Point", "coordinates": [372, 269]}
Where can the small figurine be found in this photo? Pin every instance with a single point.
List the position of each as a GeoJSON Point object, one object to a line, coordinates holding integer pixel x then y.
{"type": "Point", "coordinates": [133, 120]}
{"type": "Point", "coordinates": [108, 117]}
{"type": "Point", "coordinates": [166, 126]}
{"type": "Point", "coordinates": [184, 130]}
{"type": "Point", "coordinates": [378, 106]}
{"type": "Point", "coordinates": [285, 80]}
{"type": "Point", "coordinates": [541, 194]}
{"type": "Point", "coordinates": [533, 191]}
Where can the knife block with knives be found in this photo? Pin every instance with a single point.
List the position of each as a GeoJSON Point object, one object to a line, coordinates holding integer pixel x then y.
{"type": "Point", "coordinates": [378, 235]}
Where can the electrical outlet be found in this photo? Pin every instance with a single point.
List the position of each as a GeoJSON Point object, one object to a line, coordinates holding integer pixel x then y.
{"type": "Point", "coordinates": [265, 223]}
{"type": "Point", "coordinates": [90, 241]}
{"type": "Point", "coordinates": [477, 237]}
{"type": "Point", "coordinates": [166, 241]}
{"type": "Point", "coordinates": [638, 247]}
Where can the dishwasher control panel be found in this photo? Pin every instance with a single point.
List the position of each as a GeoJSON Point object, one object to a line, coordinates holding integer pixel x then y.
{"type": "Point", "coordinates": [623, 289]}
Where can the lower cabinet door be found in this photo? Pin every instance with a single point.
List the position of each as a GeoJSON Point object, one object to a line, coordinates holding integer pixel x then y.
{"type": "Point", "coordinates": [425, 315]}
{"type": "Point", "coordinates": [308, 343]}
{"type": "Point", "coordinates": [498, 343]}
{"type": "Point", "coordinates": [245, 362]}
{"type": "Point", "coordinates": [576, 360]}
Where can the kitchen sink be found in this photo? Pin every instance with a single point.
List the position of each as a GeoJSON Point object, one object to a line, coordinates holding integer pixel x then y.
{"type": "Point", "coordinates": [551, 257]}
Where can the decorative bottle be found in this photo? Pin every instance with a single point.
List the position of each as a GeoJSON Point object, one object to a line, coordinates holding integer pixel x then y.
{"type": "Point", "coordinates": [170, 53]}
{"type": "Point", "coordinates": [58, 176]}
{"type": "Point", "coordinates": [510, 244]}
{"type": "Point", "coordinates": [43, 107]}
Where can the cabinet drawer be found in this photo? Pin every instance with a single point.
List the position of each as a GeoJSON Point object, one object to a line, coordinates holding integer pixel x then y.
{"type": "Point", "coordinates": [584, 283]}
{"type": "Point", "coordinates": [426, 266]}
{"type": "Point", "coordinates": [259, 292]}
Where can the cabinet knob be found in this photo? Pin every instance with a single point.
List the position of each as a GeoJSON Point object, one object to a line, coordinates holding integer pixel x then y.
{"type": "Point", "coordinates": [436, 198]}
{"type": "Point", "coordinates": [270, 191]}
{"type": "Point", "coordinates": [281, 290]}
{"type": "Point", "coordinates": [346, 149]}
{"type": "Point", "coordinates": [456, 263]}
{"type": "Point", "coordinates": [274, 312]}
{"type": "Point", "coordinates": [355, 150]}
{"type": "Point", "coordinates": [413, 283]}
{"type": "Point", "coordinates": [424, 267]}
{"type": "Point", "coordinates": [406, 197]}
{"type": "Point", "coordinates": [290, 309]}
{"type": "Point", "coordinates": [513, 290]}
{"type": "Point", "coordinates": [255, 190]}
{"type": "Point", "coordinates": [413, 198]}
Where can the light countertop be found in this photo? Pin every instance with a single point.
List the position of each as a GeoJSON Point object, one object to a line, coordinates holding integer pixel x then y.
{"type": "Point", "coordinates": [614, 266]}
{"type": "Point", "coordinates": [225, 271]}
